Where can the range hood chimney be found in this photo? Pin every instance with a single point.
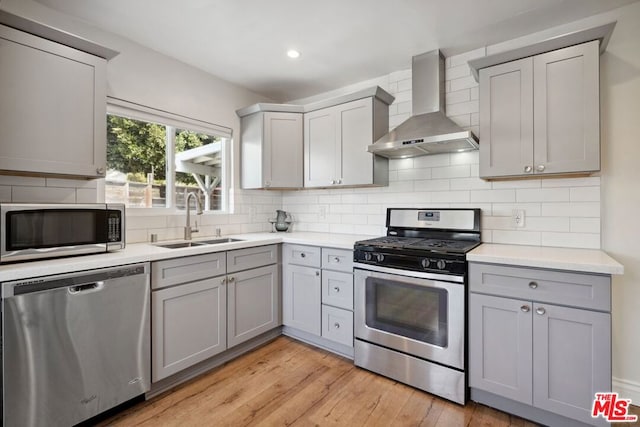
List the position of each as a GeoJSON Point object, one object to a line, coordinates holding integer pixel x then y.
{"type": "Point", "coordinates": [428, 130]}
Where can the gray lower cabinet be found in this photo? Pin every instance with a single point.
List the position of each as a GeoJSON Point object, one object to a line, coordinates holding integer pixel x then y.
{"type": "Point", "coordinates": [301, 300]}
{"type": "Point", "coordinates": [253, 302]}
{"type": "Point", "coordinates": [526, 348]}
{"type": "Point", "coordinates": [553, 129]}
{"type": "Point", "coordinates": [53, 104]}
{"type": "Point", "coordinates": [189, 325]}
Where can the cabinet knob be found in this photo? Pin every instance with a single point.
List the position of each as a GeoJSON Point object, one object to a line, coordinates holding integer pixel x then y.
{"type": "Point", "coordinates": [336, 325]}
{"type": "Point", "coordinates": [267, 184]}
{"type": "Point", "coordinates": [541, 310]}
{"type": "Point", "coordinates": [340, 181]}
{"type": "Point", "coordinates": [303, 255]}
{"type": "Point", "coordinates": [100, 171]}
{"type": "Point", "coordinates": [528, 169]}
{"type": "Point", "coordinates": [223, 281]}
{"type": "Point", "coordinates": [317, 273]}
{"type": "Point", "coordinates": [336, 289]}
{"type": "Point", "coordinates": [336, 259]}
{"type": "Point", "coordinates": [232, 279]}
{"type": "Point", "coordinates": [540, 168]}
{"type": "Point", "coordinates": [333, 182]}
{"type": "Point", "coordinates": [525, 308]}
{"type": "Point", "coordinates": [533, 285]}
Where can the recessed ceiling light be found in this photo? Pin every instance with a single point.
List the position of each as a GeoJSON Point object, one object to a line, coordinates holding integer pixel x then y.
{"type": "Point", "coordinates": [292, 53]}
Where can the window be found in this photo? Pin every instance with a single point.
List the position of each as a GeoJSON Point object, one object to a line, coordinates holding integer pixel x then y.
{"type": "Point", "coordinates": [154, 159]}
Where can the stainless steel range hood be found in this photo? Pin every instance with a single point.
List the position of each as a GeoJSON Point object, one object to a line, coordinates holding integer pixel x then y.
{"type": "Point", "coordinates": [429, 130]}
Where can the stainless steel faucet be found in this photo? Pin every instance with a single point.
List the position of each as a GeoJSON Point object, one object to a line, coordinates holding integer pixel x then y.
{"type": "Point", "coordinates": [187, 229]}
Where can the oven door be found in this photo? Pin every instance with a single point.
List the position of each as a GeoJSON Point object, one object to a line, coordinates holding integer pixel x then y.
{"type": "Point", "coordinates": [418, 316]}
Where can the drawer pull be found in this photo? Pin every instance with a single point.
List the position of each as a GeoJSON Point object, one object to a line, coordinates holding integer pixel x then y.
{"type": "Point", "coordinates": [336, 289]}
{"type": "Point", "coordinates": [525, 308]}
{"type": "Point", "coordinates": [232, 279]}
{"type": "Point", "coordinates": [541, 310]}
{"type": "Point", "coordinates": [336, 259]}
{"type": "Point", "coordinates": [317, 273]}
{"type": "Point", "coordinates": [303, 255]}
{"type": "Point", "coordinates": [528, 169]}
{"type": "Point", "coordinates": [223, 281]}
{"type": "Point", "coordinates": [336, 325]}
{"type": "Point", "coordinates": [533, 285]}
{"type": "Point", "coordinates": [540, 168]}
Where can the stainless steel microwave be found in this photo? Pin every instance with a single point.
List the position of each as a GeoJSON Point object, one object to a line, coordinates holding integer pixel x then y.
{"type": "Point", "coordinates": [39, 231]}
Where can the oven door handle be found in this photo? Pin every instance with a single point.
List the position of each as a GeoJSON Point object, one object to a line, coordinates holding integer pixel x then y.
{"type": "Point", "coordinates": [410, 273]}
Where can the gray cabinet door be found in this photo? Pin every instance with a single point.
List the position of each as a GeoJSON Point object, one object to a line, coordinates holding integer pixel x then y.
{"type": "Point", "coordinates": [500, 347]}
{"type": "Point", "coordinates": [253, 303]}
{"type": "Point", "coordinates": [506, 119]}
{"type": "Point", "coordinates": [53, 107]}
{"type": "Point", "coordinates": [301, 298]}
{"type": "Point", "coordinates": [567, 110]}
{"type": "Point", "coordinates": [282, 158]}
{"type": "Point", "coordinates": [355, 132]}
{"type": "Point", "coordinates": [572, 359]}
{"type": "Point", "coordinates": [245, 259]}
{"type": "Point", "coordinates": [321, 146]}
{"type": "Point", "coordinates": [188, 325]}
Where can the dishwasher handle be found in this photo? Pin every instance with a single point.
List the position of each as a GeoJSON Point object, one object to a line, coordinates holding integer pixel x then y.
{"type": "Point", "coordinates": [86, 288]}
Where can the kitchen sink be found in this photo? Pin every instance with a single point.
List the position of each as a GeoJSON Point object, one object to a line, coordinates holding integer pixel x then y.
{"type": "Point", "coordinates": [179, 245]}
{"type": "Point", "coordinates": [218, 241]}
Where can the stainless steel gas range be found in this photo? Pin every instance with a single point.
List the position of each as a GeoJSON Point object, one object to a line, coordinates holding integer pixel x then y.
{"type": "Point", "coordinates": [410, 299]}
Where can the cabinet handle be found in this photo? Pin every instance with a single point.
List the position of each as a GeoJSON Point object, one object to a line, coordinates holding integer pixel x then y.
{"type": "Point", "coordinates": [528, 169]}
{"type": "Point", "coordinates": [303, 255]}
{"type": "Point", "coordinates": [540, 168]}
{"type": "Point", "coordinates": [223, 281]}
{"type": "Point", "coordinates": [525, 308]}
{"type": "Point", "coordinates": [232, 279]}
{"type": "Point", "coordinates": [541, 310]}
{"type": "Point", "coordinates": [336, 259]}
{"type": "Point", "coordinates": [336, 289]}
{"type": "Point", "coordinates": [336, 325]}
{"type": "Point", "coordinates": [533, 285]}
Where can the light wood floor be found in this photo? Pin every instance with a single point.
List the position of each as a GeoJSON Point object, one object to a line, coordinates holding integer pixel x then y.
{"type": "Point", "coordinates": [290, 383]}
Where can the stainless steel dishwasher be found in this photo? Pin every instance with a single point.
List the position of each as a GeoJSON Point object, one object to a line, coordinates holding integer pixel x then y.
{"type": "Point", "coordinates": [74, 345]}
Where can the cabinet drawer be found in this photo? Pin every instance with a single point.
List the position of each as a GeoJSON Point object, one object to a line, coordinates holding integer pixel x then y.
{"type": "Point", "coordinates": [558, 287]}
{"type": "Point", "coordinates": [302, 255]}
{"type": "Point", "coordinates": [188, 269]}
{"type": "Point", "coordinates": [337, 325]}
{"type": "Point", "coordinates": [244, 259]}
{"type": "Point", "coordinates": [337, 289]}
{"type": "Point", "coordinates": [337, 259]}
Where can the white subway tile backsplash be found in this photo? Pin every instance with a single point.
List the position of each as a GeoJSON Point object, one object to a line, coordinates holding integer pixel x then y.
{"type": "Point", "coordinates": [516, 183]}
{"type": "Point", "coordinates": [458, 96]}
{"type": "Point", "coordinates": [463, 83]}
{"type": "Point", "coordinates": [542, 195]}
{"type": "Point", "coordinates": [465, 158]}
{"type": "Point", "coordinates": [474, 93]}
{"type": "Point", "coordinates": [431, 161]}
{"type": "Point", "coordinates": [86, 195]}
{"type": "Point", "coordinates": [539, 223]}
{"type": "Point", "coordinates": [434, 185]}
{"type": "Point", "coordinates": [5, 193]}
{"type": "Point", "coordinates": [413, 174]}
{"type": "Point", "coordinates": [404, 107]}
{"type": "Point", "coordinates": [469, 184]}
{"type": "Point", "coordinates": [585, 194]}
{"type": "Point", "coordinates": [516, 237]}
{"type": "Point", "coordinates": [467, 107]}
{"type": "Point", "coordinates": [71, 183]}
{"type": "Point", "coordinates": [397, 164]}
{"type": "Point", "coordinates": [498, 196]}
{"type": "Point", "coordinates": [585, 225]}
{"type": "Point", "coordinates": [457, 171]}
{"type": "Point", "coordinates": [404, 85]}
{"type": "Point", "coordinates": [43, 195]}
{"type": "Point", "coordinates": [450, 196]}
{"type": "Point", "coordinates": [572, 209]}
{"type": "Point", "coordinates": [458, 71]}
{"type": "Point", "coordinates": [463, 120]}
{"type": "Point", "coordinates": [571, 240]}
{"type": "Point", "coordinates": [571, 182]}
{"type": "Point", "coordinates": [22, 181]}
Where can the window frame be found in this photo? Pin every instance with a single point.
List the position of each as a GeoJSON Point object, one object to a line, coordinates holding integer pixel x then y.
{"type": "Point", "coordinates": [120, 107]}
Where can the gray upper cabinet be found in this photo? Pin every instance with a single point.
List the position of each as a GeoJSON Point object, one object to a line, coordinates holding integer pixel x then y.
{"type": "Point", "coordinates": [271, 150]}
{"type": "Point", "coordinates": [540, 115]}
{"type": "Point", "coordinates": [336, 140]}
{"type": "Point", "coordinates": [52, 109]}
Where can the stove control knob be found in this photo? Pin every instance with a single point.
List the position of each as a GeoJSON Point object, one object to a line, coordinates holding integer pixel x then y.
{"type": "Point", "coordinates": [379, 257]}
{"type": "Point", "coordinates": [425, 263]}
{"type": "Point", "coordinates": [441, 264]}
{"type": "Point", "coordinates": [367, 256]}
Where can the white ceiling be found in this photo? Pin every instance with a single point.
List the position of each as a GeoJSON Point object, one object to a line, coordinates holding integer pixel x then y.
{"type": "Point", "coordinates": [341, 41]}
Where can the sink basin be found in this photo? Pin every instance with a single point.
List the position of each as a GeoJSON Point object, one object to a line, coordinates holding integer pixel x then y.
{"type": "Point", "coordinates": [179, 245]}
{"type": "Point", "coordinates": [218, 241]}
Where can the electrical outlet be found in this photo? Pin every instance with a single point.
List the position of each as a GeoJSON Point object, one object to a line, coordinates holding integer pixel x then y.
{"type": "Point", "coordinates": [322, 212]}
{"type": "Point", "coordinates": [518, 216]}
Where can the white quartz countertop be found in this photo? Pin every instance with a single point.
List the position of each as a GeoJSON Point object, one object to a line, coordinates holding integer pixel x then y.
{"type": "Point", "coordinates": [143, 252]}
{"type": "Point", "coordinates": [583, 260]}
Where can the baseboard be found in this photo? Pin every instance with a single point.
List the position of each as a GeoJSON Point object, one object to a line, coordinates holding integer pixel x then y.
{"type": "Point", "coordinates": [627, 389]}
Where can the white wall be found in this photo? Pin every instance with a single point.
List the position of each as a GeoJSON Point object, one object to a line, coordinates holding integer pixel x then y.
{"type": "Point", "coordinates": [143, 76]}
{"type": "Point", "coordinates": [559, 212]}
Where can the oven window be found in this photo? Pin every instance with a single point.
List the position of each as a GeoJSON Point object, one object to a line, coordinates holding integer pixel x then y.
{"type": "Point", "coordinates": [50, 228]}
{"type": "Point", "coordinates": [407, 310]}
